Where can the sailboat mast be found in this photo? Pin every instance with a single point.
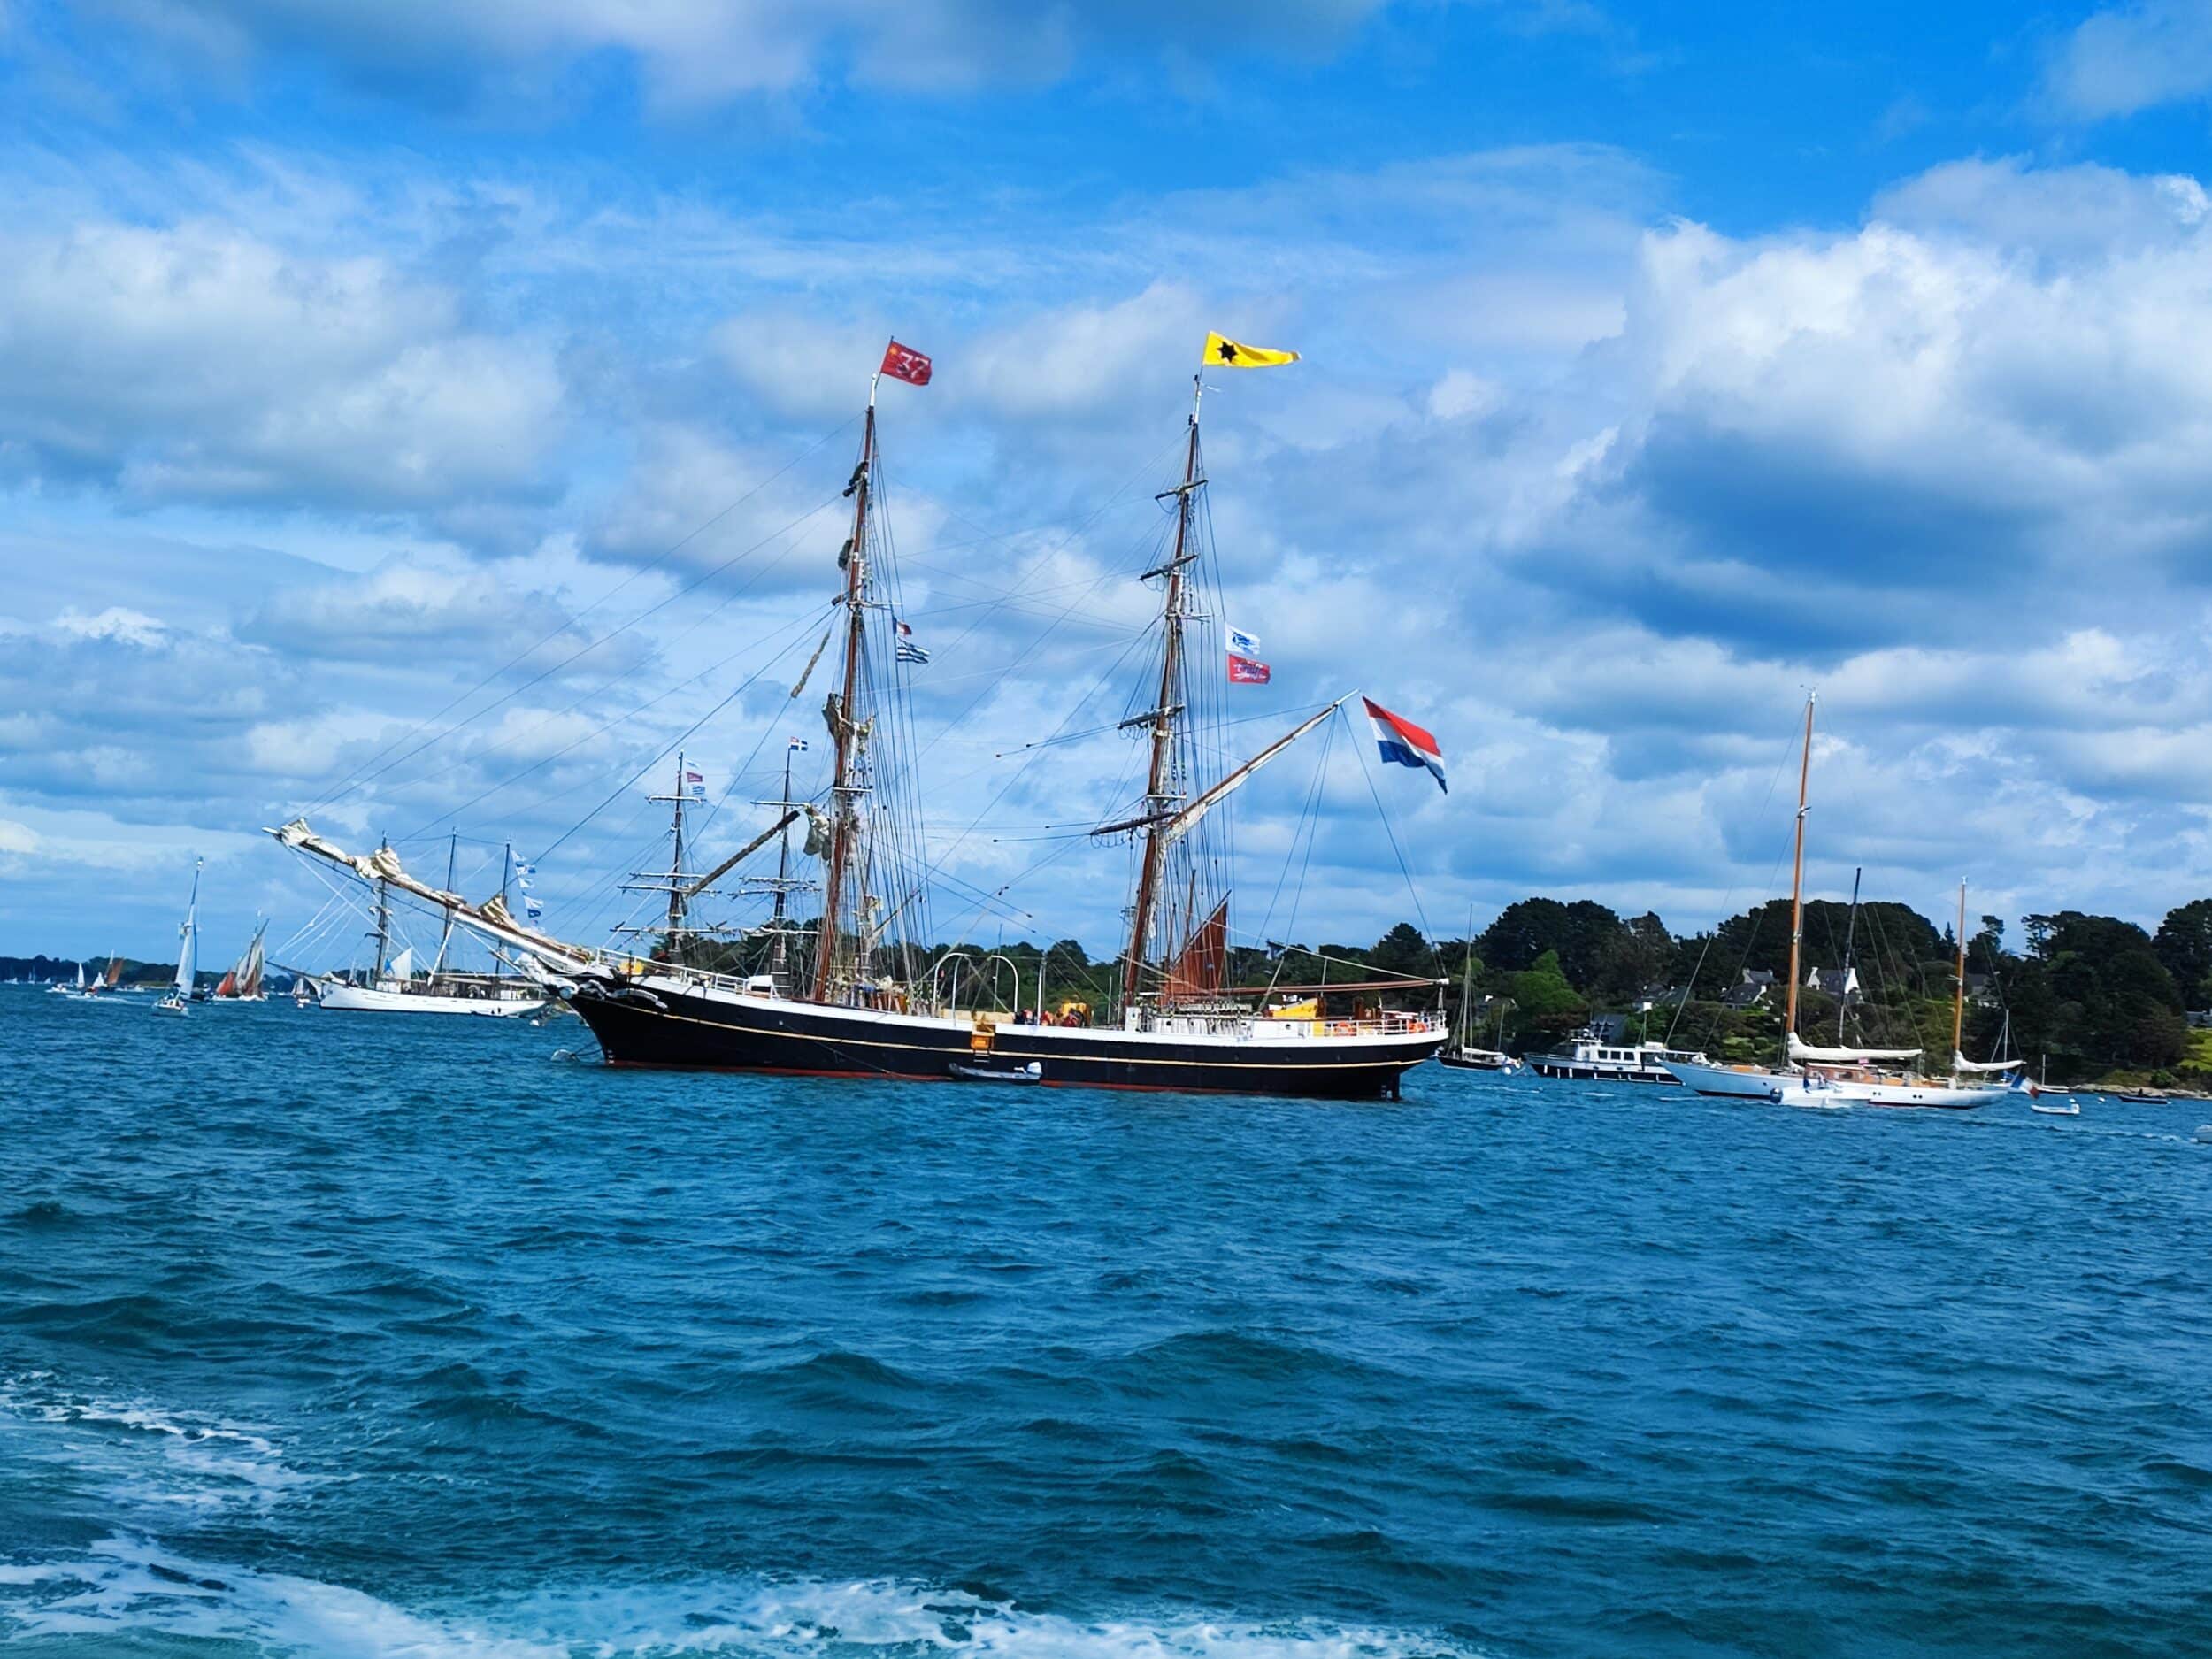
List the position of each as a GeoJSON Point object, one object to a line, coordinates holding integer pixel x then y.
{"type": "Point", "coordinates": [844, 793]}
{"type": "Point", "coordinates": [506, 870]}
{"type": "Point", "coordinates": [1163, 713]}
{"type": "Point", "coordinates": [445, 935]}
{"type": "Point", "coordinates": [1958, 990]}
{"type": "Point", "coordinates": [676, 868]}
{"type": "Point", "coordinates": [1797, 882]}
{"type": "Point", "coordinates": [383, 920]}
{"type": "Point", "coordinates": [1850, 942]}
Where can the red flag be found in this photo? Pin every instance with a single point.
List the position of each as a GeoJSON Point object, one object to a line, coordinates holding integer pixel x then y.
{"type": "Point", "coordinates": [1246, 671]}
{"type": "Point", "coordinates": [902, 362]}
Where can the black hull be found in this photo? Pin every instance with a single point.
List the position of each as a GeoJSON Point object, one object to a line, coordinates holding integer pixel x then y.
{"type": "Point", "coordinates": [710, 1033]}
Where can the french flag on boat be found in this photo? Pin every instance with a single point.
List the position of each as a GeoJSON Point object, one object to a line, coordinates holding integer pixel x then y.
{"type": "Point", "coordinates": [1406, 744]}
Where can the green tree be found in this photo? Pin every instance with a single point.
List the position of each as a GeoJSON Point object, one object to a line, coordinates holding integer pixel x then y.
{"type": "Point", "coordinates": [2183, 944]}
{"type": "Point", "coordinates": [1403, 951]}
{"type": "Point", "coordinates": [1545, 1004]}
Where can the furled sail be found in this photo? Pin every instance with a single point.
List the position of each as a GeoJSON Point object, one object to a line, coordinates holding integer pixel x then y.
{"type": "Point", "coordinates": [492, 916]}
{"type": "Point", "coordinates": [1803, 1052]}
{"type": "Point", "coordinates": [1982, 1068]}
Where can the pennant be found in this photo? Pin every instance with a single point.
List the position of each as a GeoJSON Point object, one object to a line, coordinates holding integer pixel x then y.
{"type": "Point", "coordinates": [1404, 743]}
{"type": "Point", "coordinates": [903, 362]}
{"type": "Point", "coordinates": [1224, 353]}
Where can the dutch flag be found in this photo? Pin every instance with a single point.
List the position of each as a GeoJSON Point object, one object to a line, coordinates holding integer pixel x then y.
{"type": "Point", "coordinates": [1406, 744]}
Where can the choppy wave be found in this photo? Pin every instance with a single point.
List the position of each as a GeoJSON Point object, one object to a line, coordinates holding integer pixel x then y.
{"type": "Point", "coordinates": [128, 1586]}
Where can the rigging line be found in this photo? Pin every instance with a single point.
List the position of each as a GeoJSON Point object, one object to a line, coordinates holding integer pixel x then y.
{"type": "Point", "coordinates": [742, 687]}
{"type": "Point", "coordinates": [806, 621]}
{"type": "Point", "coordinates": [657, 560]}
{"type": "Point", "coordinates": [961, 839]}
{"type": "Point", "coordinates": [1728, 901]}
{"type": "Point", "coordinates": [616, 675]}
{"type": "Point", "coordinates": [1406, 869]}
{"type": "Point", "coordinates": [545, 675]}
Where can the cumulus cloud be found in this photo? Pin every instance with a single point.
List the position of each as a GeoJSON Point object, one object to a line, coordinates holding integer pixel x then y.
{"type": "Point", "coordinates": [199, 363]}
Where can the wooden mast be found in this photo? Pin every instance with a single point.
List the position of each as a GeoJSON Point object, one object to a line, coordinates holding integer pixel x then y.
{"type": "Point", "coordinates": [1797, 882]}
{"type": "Point", "coordinates": [843, 791]}
{"type": "Point", "coordinates": [1958, 991]}
{"type": "Point", "coordinates": [1163, 713]}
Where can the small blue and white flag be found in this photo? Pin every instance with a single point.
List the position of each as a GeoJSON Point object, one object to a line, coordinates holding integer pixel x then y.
{"type": "Point", "coordinates": [797, 743]}
{"type": "Point", "coordinates": [910, 652]}
{"type": "Point", "coordinates": [532, 910]}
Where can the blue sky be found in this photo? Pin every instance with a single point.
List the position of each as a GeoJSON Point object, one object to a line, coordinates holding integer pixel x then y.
{"type": "Point", "coordinates": [1661, 362]}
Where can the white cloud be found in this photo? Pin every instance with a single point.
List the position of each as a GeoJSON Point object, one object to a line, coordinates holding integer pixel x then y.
{"type": "Point", "coordinates": [692, 52]}
{"type": "Point", "coordinates": [199, 361]}
{"type": "Point", "coordinates": [2130, 57]}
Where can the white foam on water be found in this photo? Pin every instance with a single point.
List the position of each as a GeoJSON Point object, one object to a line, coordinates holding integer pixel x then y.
{"type": "Point", "coordinates": [129, 1584]}
{"type": "Point", "coordinates": [151, 1455]}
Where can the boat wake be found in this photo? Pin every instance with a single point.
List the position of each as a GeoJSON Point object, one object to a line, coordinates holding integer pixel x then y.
{"type": "Point", "coordinates": [130, 1586]}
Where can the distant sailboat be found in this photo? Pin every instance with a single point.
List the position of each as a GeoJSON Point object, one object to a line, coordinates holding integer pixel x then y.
{"type": "Point", "coordinates": [242, 983]}
{"type": "Point", "coordinates": [177, 999]}
{"type": "Point", "coordinates": [1463, 1054]}
{"type": "Point", "coordinates": [58, 989]}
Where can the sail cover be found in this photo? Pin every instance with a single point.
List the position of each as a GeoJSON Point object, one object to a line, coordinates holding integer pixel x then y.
{"type": "Point", "coordinates": [1982, 1068]}
{"type": "Point", "coordinates": [1201, 965]}
{"type": "Point", "coordinates": [1801, 1050]}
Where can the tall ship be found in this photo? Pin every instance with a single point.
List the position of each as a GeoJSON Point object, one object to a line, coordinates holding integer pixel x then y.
{"type": "Point", "coordinates": [391, 985]}
{"type": "Point", "coordinates": [859, 994]}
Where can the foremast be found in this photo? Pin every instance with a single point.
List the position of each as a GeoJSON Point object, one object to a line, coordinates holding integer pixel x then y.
{"type": "Point", "coordinates": [849, 742]}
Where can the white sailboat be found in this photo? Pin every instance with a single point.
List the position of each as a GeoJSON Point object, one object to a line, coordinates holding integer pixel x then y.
{"type": "Point", "coordinates": [58, 989]}
{"type": "Point", "coordinates": [1832, 1076]}
{"type": "Point", "coordinates": [179, 998]}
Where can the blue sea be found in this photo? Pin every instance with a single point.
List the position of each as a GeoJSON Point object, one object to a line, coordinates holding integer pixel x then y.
{"type": "Point", "coordinates": [325, 1335]}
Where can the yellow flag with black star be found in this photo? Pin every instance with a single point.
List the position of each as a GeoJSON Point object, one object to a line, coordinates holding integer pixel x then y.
{"type": "Point", "coordinates": [1224, 353]}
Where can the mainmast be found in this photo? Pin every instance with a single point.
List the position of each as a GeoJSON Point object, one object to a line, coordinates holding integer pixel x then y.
{"type": "Point", "coordinates": [1158, 793]}
{"type": "Point", "coordinates": [1797, 882]}
{"type": "Point", "coordinates": [383, 933]}
{"type": "Point", "coordinates": [847, 737]}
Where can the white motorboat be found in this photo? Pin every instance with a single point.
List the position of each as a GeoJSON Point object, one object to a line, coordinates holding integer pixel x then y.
{"type": "Point", "coordinates": [1586, 1056]}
